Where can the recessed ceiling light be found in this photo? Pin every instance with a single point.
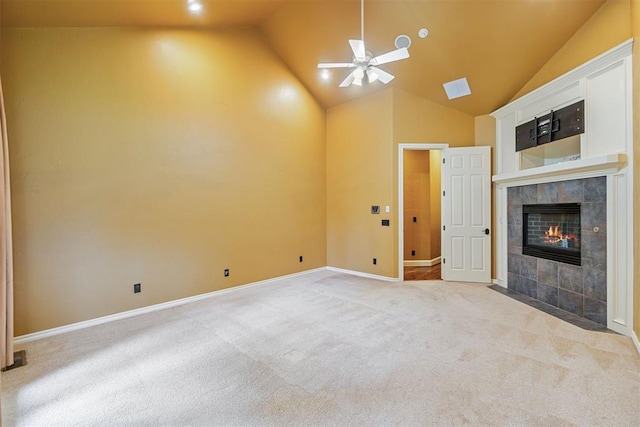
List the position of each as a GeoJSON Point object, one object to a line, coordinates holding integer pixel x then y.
{"type": "Point", "coordinates": [194, 6]}
{"type": "Point", "coordinates": [325, 74]}
{"type": "Point", "coordinates": [457, 88]}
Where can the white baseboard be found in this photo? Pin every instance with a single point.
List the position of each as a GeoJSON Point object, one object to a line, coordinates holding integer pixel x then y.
{"type": "Point", "coordinates": [143, 310]}
{"type": "Point", "coordinates": [422, 262]}
{"type": "Point", "coordinates": [636, 341]}
{"type": "Point", "coordinates": [139, 311]}
{"type": "Point", "coordinates": [361, 274]}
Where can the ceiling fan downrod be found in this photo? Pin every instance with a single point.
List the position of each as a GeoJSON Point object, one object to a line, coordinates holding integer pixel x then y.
{"type": "Point", "coordinates": [362, 20]}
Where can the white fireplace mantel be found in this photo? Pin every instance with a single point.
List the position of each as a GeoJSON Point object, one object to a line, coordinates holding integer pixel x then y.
{"type": "Point", "coordinates": [575, 169]}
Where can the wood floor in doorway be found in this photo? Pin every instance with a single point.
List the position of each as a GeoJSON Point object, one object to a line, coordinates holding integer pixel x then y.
{"type": "Point", "coordinates": [423, 273]}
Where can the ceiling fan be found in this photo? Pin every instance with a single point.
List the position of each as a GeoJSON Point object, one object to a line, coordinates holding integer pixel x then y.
{"type": "Point", "coordinates": [364, 63]}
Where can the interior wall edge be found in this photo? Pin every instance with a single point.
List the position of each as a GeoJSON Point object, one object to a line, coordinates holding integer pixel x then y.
{"type": "Point", "coordinates": [363, 274]}
{"type": "Point", "coordinates": [636, 341]}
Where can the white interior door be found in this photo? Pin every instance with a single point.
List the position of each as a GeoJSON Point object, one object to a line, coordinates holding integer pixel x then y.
{"type": "Point", "coordinates": [466, 214]}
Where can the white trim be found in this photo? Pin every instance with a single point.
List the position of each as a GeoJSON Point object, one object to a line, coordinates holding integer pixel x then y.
{"type": "Point", "coordinates": [636, 341]}
{"type": "Point", "coordinates": [576, 169]}
{"type": "Point", "coordinates": [621, 51]}
{"type": "Point", "coordinates": [401, 147]}
{"type": "Point", "coordinates": [149, 309]}
{"type": "Point", "coordinates": [501, 241]}
{"type": "Point", "coordinates": [361, 274]}
{"type": "Point", "coordinates": [421, 262]}
{"type": "Point", "coordinates": [616, 318]}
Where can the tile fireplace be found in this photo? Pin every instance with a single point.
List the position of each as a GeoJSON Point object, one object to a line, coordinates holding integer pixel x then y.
{"type": "Point", "coordinates": [557, 245]}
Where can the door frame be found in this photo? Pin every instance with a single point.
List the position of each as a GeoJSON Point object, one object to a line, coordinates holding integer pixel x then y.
{"type": "Point", "coordinates": [400, 228]}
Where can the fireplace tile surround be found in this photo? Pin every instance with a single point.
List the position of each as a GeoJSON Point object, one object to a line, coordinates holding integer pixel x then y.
{"type": "Point", "coordinates": [580, 290]}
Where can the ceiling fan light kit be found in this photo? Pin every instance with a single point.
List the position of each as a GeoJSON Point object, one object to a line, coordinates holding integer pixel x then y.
{"type": "Point", "coordinates": [364, 63]}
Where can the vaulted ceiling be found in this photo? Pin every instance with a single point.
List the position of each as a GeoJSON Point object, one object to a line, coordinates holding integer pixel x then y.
{"type": "Point", "coordinates": [498, 45]}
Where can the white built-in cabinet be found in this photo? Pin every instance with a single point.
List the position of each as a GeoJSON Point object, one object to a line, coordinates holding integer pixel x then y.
{"type": "Point", "coordinates": [604, 149]}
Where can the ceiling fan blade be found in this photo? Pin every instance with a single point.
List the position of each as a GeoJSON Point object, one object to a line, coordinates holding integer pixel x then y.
{"type": "Point", "coordinates": [394, 55]}
{"type": "Point", "coordinates": [359, 53]}
{"type": "Point", "coordinates": [336, 65]}
{"type": "Point", "coordinates": [350, 78]}
{"type": "Point", "coordinates": [381, 75]}
{"type": "Point", "coordinates": [372, 75]}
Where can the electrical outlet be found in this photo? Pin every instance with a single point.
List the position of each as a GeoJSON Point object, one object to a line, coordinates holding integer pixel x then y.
{"type": "Point", "coordinates": [137, 288]}
{"type": "Point", "coordinates": [375, 261]}
{"type": "Point", "coordinates": [413, 253]}
{"type": "Point", "coordinates": [226, 272]}
{"type": "Point", "coordinates": [300, 258]}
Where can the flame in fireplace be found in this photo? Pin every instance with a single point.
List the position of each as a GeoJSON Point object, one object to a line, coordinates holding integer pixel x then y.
{"type": "Point", "coordinates": [554, 235]}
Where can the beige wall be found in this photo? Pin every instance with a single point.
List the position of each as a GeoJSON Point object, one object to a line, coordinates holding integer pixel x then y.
{"type": "Point", "coordinates": [419, 120]}
{"type": "Point", "coordinates": [417, 197]}
{"type": "Point", "coordinates": [362, 170]}
{"type": "Point", "coordinates": [435, 180]}
{"type": "Point", "coordinates": [359, 175]}
{"type": "Point", "coordinates": [608, 27]}
{"type": "Point", "coordinates": [158, 157]}
{"type": "Point", "coordinates": [485, 134]}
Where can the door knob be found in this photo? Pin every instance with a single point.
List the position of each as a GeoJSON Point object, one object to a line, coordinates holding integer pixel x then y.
{"type": "Point", "coordinates": [486, 231]}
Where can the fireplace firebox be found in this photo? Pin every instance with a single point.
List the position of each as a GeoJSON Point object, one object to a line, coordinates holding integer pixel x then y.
{"type": "Point", "coordinates": [552, 231]}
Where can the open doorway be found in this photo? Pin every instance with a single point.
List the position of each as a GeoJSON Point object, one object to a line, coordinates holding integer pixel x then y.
{"type": "Point", "coordinates": [419, 208]}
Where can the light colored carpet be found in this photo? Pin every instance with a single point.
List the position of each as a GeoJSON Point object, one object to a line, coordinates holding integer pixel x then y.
{"type": "Point", "coordinates": [331, 349]}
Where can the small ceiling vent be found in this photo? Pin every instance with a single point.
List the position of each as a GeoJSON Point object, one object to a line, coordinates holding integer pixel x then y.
{"type": "Point", "coordinates": [402, 41]}
{"type": "Point", "coordinates": [457, 88]}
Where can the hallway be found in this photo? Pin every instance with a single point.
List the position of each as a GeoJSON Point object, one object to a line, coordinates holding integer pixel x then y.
{"type": "Point", "coordinates": [423, 273]}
